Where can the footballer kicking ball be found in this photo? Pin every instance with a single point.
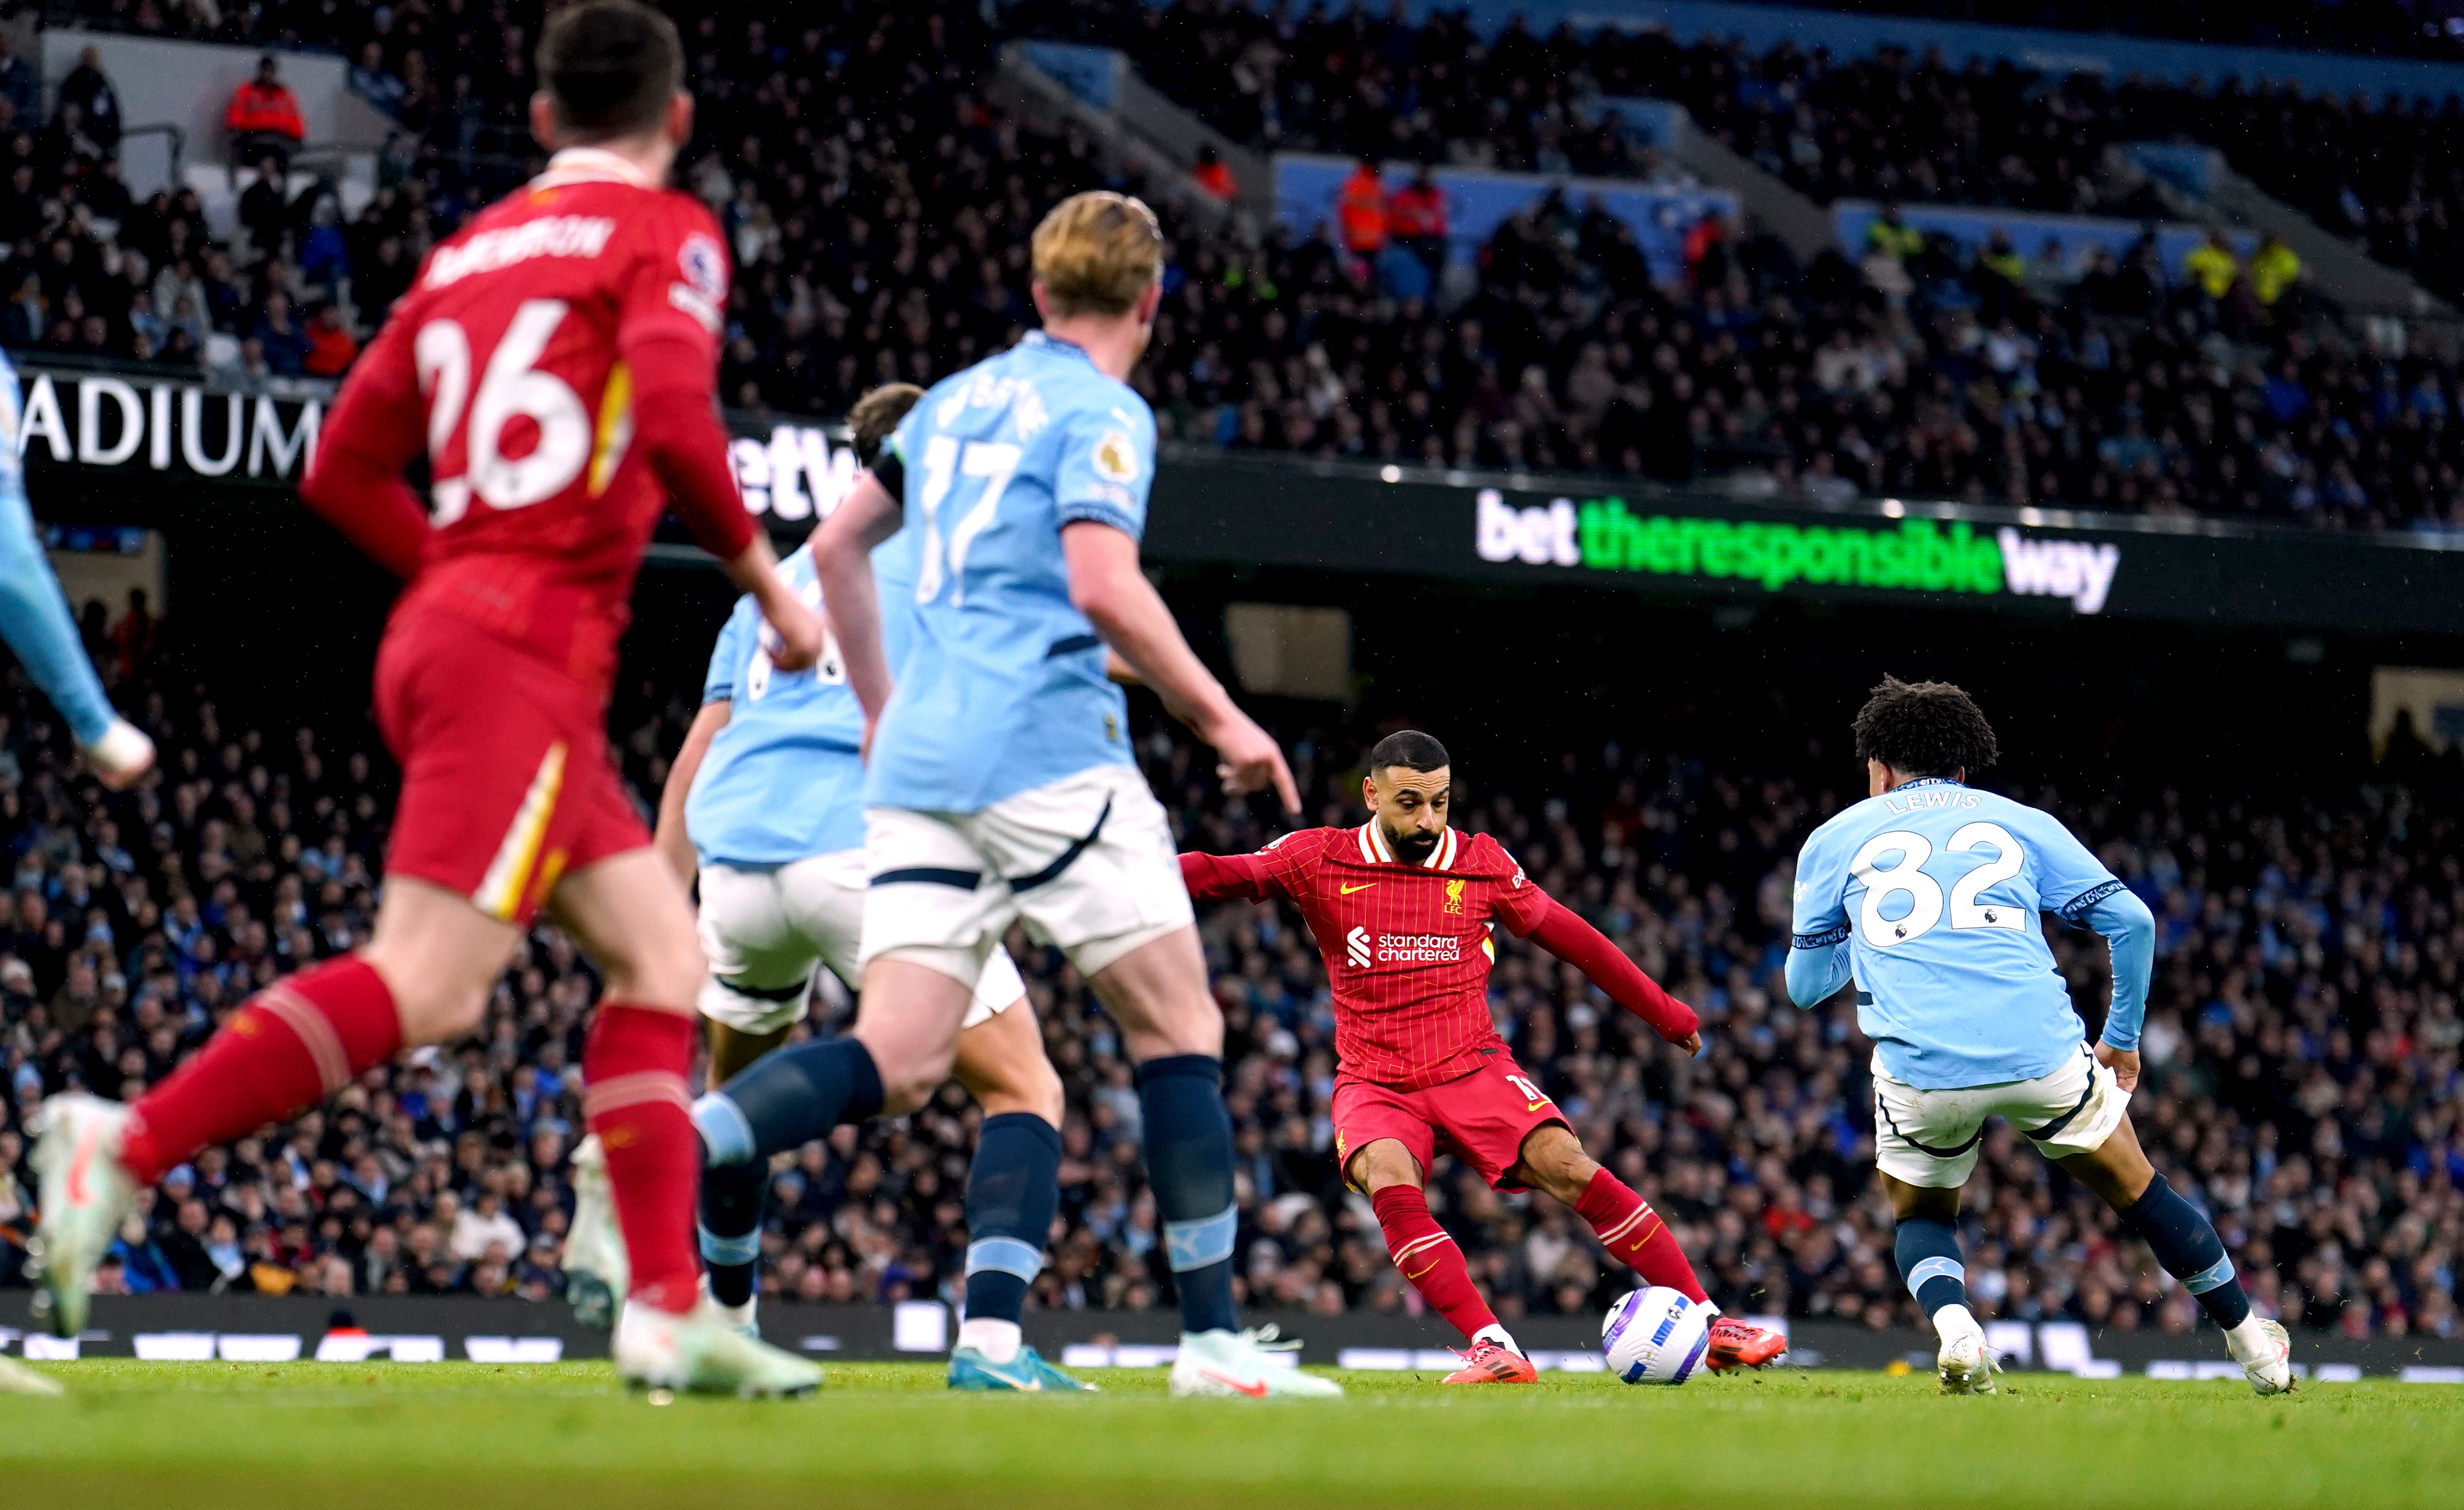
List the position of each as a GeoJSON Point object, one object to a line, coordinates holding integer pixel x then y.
{"type": "Point", "coordinates": [1656, 1337]}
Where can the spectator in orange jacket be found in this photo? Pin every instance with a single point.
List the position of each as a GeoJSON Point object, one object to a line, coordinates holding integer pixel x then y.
{"type": "Point", "coordinates": [331, 345]}
{"type": "Point", "coordinates": [1415, 216]}
{"type": "Point", "coordinates": [264, 116]}
{"type": "Point", "coordinates": [1360, 210]}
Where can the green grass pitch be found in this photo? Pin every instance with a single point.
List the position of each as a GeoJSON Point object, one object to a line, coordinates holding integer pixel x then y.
{"type": "Point", "coordinates": [466, 1436]}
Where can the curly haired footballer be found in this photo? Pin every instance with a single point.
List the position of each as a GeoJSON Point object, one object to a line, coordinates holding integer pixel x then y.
{"type": "Point", "coordinates": [1925, 728]}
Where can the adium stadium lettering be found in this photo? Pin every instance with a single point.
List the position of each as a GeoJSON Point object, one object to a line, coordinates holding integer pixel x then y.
{"type": "Point", "coordinates": [111, 422]}
{"type": "Point", "coordinates": [98, 421]}
{"type": "Point", "coordinates": [1917, 555]}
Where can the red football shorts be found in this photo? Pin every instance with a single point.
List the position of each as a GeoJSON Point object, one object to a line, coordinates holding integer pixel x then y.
{"type": "Point", "coordinates": [1481, 1117]}
{"type": "Point", "coordinates": [506, 784]}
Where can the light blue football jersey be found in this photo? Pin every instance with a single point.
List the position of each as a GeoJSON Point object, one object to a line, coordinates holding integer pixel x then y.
{"type": "Point", "coordinates": [782, 780]}
{"type": "Point", "coordinates": [1003, 688]}
{"type": "Point", "coordinates": [1936, 887]}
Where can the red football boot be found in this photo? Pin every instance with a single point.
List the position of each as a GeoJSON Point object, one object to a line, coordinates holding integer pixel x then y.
{"type": "Point", "coordinates": [1492, 1362]}
{"type": "Point", "coordinates": [1736, 1344]}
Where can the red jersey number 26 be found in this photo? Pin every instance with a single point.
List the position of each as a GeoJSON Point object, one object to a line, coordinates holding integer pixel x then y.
{"type": "Point", "coordinates": [511, 388]}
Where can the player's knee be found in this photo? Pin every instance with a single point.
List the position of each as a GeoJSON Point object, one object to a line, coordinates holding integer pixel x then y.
{"type": "Point", "coordinates": [1557, 1165]}
{"type": "Point", "coordinates": [1931, 1203]}
{"type": "Point", "coordinates": [1384, 1164]}
{"type": "Point", "coordinates": [909, 1074]}
{"type": "Point", "coordinates": [662, 972]}
{"type": "Point", "coordinates": [1033, 1088]}
{"type": "Point", "coordinates": [439, 1012]}
{"type": "Point", "coordinates": [1041, 1093]}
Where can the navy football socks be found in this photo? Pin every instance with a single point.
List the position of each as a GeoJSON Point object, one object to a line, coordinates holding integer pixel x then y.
{"type": "Point", "coordinates": [2185, 1243]}
{"type": "Point", "coordinates": [1928, 1254]}
{"type": "Point", "coordinates": [1013, 1189]}
{"type": "Point", "coordinates": [786, 1099]}
{"type": "Point", "coordinates": [1189, 1165]}
{"type": "Point", "coordinates": [731, 1228]}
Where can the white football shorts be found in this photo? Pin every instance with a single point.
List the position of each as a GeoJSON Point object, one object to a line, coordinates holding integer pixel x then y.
{"type": "Point", "coordinates": [1930, 1138]}
{"type": "Point", "coordinates": [765, 929]}
{"type": "Point", "coordinates": [1087, 862]}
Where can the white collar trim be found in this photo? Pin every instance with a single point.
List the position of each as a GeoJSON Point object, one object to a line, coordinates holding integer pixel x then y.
{"type": "Point", "coordinates": [1375, 849]}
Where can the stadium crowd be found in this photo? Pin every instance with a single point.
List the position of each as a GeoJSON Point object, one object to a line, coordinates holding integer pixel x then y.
{"type": "Point", "coordinates": [2301, 1050]}
{"type": "Point", "coordinates": [1890, 126]}
{"type": "Point", "coordinates": [877, 205]}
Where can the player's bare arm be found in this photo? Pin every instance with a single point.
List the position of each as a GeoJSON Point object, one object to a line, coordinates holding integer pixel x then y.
{"type": "Point", "coordinates": [842, 562]}
{"type": "Point", "coordinates": [674, 838]}
{"type": "Point", "coordinates": [1106, 586]}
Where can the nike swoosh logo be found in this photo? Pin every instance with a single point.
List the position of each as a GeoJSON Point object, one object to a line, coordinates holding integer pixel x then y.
{"type": "Point", "coordinates": [1348, 890]}
{"type": "Point", "coordinates": [1533, 1106]}
{"type": "Point", "coordinates": [1411, 1275]}
{"type": "Point", "coordinates": [1256, 1391]}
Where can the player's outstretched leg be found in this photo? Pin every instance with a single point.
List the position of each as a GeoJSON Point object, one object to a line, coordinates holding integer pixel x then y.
{"type": "Point", "coordinates": [1013, 1188]}
{"type": "Point", "coordinates": [288, 1048]}
{"type": "Point", "coordinates": [2185, 1243]}
{"type": "Point", "coordinates": [1553, 1162]}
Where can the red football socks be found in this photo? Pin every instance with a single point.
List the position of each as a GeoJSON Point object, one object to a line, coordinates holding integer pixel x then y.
{"type": "Point", "coordinates": [634, 1076]}
{"type": "Point", "coordinates": [1634, 1235]}
{"type": "Point", "coordinates": [288, 1047]}
{"type": "Point", "coordinates": [1430, 1259]}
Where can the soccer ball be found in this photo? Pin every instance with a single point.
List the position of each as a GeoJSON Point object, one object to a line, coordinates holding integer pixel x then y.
{"type": "Point", "coordinates": [1656, 1337]}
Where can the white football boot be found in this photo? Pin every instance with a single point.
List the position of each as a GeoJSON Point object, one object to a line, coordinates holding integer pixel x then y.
{"type": "Point", "coordinates": [1251, 1363]}
{"type": "Point", "coordinates": [85, 1191]}
{"type": "Point", "coordinates": [18, 1379]}
{"type": "Point", "coordinates": [1965, 1362]}
{"type": "Point", "coordinates": [702, 1352]}
{"type": "Point", "coordinates": [2265, 1354]}
{"type": "Point", "coordinates": [597, 1272]}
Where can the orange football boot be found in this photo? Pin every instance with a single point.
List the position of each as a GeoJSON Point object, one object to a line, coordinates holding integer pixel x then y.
{"type": "Point", "coordinates": [1491, 1362]}
{"type": "Point", "coordinates": [1735, 1344]}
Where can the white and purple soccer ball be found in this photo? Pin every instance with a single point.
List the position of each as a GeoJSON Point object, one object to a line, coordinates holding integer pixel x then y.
{"type": "Point", "coordinates": [1656, 1337]}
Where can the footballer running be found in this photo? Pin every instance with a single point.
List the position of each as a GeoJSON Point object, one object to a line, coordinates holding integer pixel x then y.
{"type": "Point", "coordinates": [555, 363]}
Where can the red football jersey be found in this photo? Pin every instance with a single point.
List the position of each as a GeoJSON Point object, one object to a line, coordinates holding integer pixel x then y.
{"type": "Point", "coordinates": [506, 363]}
{"type": "Point", "coordinates": [1407, 946]}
